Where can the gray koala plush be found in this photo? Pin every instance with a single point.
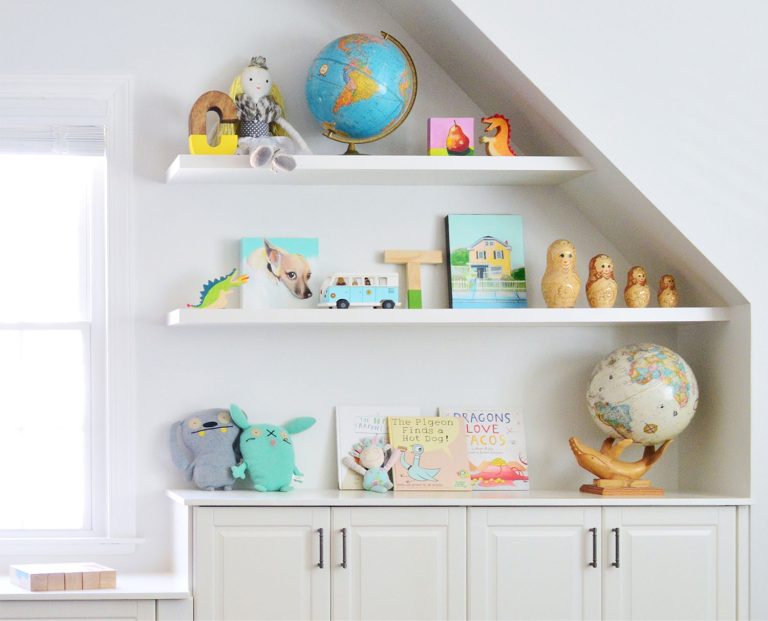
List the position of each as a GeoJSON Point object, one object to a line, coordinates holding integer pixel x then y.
{"type": "Point", "coordinates": [203, 446]}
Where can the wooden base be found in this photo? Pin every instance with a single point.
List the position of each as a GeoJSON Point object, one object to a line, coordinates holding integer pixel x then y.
{"type": "Point", "coordinates": [614, 487]}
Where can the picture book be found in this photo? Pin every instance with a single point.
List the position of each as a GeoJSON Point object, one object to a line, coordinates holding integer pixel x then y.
{"type": "Point", "coordinates": [353, 424]}
{"type": "Point", "coordinates": [495, 445]}
{"type": "Point", "coordinates": [451, 136]}
{"type": "Point", "coordinates": [282, 272]}
{"type": "Point", "coordinates": [487, 262]}
{"type": "Point", "coordinates": [433, 453]}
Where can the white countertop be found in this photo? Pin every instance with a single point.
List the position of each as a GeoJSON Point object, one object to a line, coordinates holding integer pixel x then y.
{"type": "Point", "coordinates": [129, 586]}
{"type": "Point", "coordinates": [337, 498]}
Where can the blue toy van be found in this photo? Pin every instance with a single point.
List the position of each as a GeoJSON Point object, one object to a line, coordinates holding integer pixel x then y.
{"type": "Point", "coordinates": [371, 290]}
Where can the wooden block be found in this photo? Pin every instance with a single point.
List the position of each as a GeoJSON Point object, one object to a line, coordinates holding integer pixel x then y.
{"type": "Point", "coordinates": [413, 256]}
{"type": "Point", "coordinates": [56, 582]}
{"type": "Point", "coordinates": [108, 579]}
{"type": "Point", "coordinates": [38, 582]}
{"type": "Point", "coordinates": [621, 491]}
{"type": "Point", "coordinates": [91, 580]}
{"type": "Point", "coordinates": [73, 581]}
{"type": "Point", "coordinates": [63, 576]}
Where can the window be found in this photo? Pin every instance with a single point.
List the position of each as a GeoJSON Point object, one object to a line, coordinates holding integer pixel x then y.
{"type": "Point", "coordinates": [51, 337]}
{"type": "Point", "coordinates": [481, 254]}
{"type": "Point", "coordinates": [498, 254]}
{"type": "Point", "coordinates": [65, 324]}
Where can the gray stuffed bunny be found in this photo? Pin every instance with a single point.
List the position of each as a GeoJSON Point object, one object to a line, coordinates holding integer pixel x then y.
{"type": "Point", "coordinates": [203, 446]}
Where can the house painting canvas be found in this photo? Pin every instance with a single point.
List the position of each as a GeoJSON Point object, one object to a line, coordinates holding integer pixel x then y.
{"type": "Point", "coordinates": [282, 272]}
{"type": "Point", "coordinates": [487, 261]}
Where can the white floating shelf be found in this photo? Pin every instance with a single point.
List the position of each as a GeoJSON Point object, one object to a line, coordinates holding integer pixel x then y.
{"type": "Point", "coordinates": [525, 317]}
{"type": "Point", "coordinates": [381, 170]}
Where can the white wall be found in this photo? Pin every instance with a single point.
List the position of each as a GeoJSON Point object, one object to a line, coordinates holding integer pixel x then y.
{"type": "Point", "coordinates": [673, 93]}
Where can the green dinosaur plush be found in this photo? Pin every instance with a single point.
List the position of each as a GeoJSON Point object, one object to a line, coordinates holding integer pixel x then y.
{"type": "Point", "coordinates": [267, 452]}
{"type": "Point", "coordinates": [215, 293]}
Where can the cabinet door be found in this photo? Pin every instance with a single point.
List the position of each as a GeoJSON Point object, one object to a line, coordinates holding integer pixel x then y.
{"type": "Point", "coordinates": [534, 563]}
{"type": "Point", "coordinates": [674, 563]}
{"type": "Point", "coordinates": [261, 563]}
{"type": "Point", "coordinates": [401, 563]}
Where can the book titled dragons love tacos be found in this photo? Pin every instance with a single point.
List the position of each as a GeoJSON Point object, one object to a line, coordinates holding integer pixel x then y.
{"type": "Point", "coordinates": [496, 446]}
{"type": "Point", "coordinates": [433, 453]}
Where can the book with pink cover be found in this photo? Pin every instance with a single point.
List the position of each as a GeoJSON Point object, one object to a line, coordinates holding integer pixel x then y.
{"type": "Point", "coordinates": [495, 445]}
{"type": "Point", "coordinates": [433, 453]}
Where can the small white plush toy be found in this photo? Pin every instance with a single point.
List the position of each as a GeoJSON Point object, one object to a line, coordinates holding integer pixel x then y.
{"type": "Point", "coordinates": [258, 110]}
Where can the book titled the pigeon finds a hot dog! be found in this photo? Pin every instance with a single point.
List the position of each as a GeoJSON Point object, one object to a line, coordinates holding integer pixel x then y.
{"type": "Point", "coordinates": [433, 453]}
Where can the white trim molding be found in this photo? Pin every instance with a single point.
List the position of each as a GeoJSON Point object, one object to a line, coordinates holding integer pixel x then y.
{"type": "Point", "coordinates": [105, 100]}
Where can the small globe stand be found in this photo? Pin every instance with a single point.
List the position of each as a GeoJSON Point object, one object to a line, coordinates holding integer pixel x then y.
{"type": "Point", "coordinates": [617, 478]}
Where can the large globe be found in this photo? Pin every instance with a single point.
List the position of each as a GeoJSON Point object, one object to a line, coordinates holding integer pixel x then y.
{"type": "Point", "coordinates": [360, 87]}
{"type": "Point", "coordinates": [644, 392]}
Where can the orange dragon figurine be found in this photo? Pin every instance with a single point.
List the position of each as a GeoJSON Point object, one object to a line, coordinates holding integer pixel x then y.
{"type": "Point", "coordinates": [498, 144]}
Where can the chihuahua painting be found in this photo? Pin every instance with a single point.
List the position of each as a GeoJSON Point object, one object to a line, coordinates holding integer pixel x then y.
{"type": "Point", "coordinates": [281, 271]}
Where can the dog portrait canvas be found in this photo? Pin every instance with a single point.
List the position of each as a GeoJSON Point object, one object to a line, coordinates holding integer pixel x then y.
{"type": "Point", "coordinates": [282, 272]}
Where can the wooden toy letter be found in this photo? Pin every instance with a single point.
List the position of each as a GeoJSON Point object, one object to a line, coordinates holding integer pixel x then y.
{"type": "Point", "coordinates": [222, 104]}
{"type": "Point", "coordinates": [412, 259]}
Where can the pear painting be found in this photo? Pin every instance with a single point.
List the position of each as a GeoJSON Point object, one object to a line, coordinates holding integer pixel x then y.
{"type": "Point", "coordinates": [451, 136]}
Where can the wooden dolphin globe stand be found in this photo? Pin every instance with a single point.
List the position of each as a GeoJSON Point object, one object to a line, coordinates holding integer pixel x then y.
{"type": "Point", "coordinates": [616, 477]}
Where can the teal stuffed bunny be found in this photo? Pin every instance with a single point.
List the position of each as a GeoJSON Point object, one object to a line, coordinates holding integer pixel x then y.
{"type": "Point", "coordinates": [267, 452]}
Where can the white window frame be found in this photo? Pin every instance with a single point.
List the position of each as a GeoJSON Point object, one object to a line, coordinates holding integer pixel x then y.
{"type": "Point", "coordinates": [80, 99]}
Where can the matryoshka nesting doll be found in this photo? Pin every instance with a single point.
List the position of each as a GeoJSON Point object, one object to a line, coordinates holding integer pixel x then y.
{"type": "Point", "coordinates": [601, 286]}
{"type": "Point", "coordinates": [560, 283]}
{"type": "Point", "coordinates": [668, 296]}
{"type": "Point", "coordinates": [637, 293]}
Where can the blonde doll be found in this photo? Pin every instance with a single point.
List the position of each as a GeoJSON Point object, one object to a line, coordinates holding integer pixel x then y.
{"type": "Point", "coordinates": [259, 109]}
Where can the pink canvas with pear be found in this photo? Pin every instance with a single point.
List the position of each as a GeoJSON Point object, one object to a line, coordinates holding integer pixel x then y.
{"type": "Point", "coordinates": [451, 136]}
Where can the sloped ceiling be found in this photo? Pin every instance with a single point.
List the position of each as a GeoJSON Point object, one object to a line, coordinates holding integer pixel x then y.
{"type": "Point", "coordinates": [606, 197]}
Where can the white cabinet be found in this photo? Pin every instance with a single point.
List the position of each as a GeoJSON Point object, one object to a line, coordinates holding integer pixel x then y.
{"type": "Point", "coordinates": [672, 563]}
{"type": "Point", "coordinates": [652, 563]}
{"type": "Point", "coordinates": [261, 563]}
{"type": "Point", "coordinates": [401, 563]}
{"type": "Point", "coordinates": [371, 563]}
{"type": "Point", "coordinates": [518, 557]}
{"type": "Point", "coordinates": [534, 563]}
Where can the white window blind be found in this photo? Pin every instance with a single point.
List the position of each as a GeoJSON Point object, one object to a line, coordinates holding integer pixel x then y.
{"type": "Point", "coordinates": [52, 319]}
{"type": "Point", "coordinates": [52, 139]}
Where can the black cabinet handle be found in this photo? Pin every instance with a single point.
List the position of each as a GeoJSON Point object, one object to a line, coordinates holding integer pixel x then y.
{"type": "Point", "coordinates": [594, 547]}
{"type": "Point", "coordinates": [615, 532]}
{"type": "Point", "coordinates": [321, 562]}
{"type": "Point", "coordinates": [344, 548]}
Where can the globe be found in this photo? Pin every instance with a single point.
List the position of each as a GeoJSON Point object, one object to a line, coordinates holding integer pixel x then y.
{"type": "Point", "coordinates": [361, 87]}
{"type": "Point", "coordinates": [645, 392]}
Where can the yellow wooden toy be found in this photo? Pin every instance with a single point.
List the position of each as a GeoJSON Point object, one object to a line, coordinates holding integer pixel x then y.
{"type": "Point", "coordinates": [222, 104]}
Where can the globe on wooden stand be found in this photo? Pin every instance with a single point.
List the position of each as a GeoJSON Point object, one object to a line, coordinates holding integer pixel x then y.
{"type": "Point", "coordinates": [361, 88]}
{"type": "Point", "coordinates": [639, 394]}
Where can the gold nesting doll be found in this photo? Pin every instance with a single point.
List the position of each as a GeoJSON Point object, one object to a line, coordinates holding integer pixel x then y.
{"type": "Point", "coordinates": [637, 293]}
{"type": "Point", "coordinates": [560, 283]}
{"type": "Point", "coordinates": [668, 296]}
{"type": "Point", "coordinates": [601, 286]}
